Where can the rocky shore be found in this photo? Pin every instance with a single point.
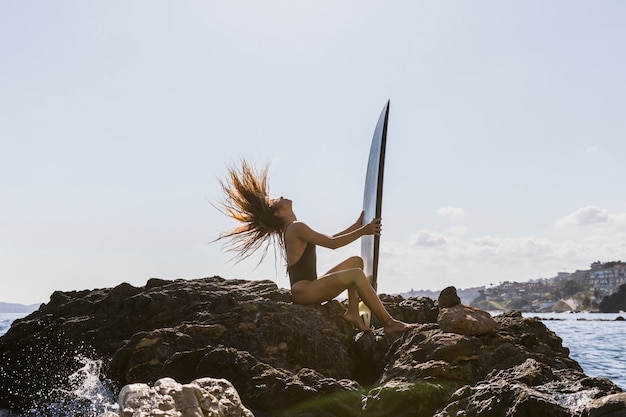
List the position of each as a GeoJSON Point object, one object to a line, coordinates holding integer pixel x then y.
{"type": "Point", "coordinates": [218, 347]}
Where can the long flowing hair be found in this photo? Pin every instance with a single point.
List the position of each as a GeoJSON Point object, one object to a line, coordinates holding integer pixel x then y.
{"type": "Point", "coordinates": [246, 199]}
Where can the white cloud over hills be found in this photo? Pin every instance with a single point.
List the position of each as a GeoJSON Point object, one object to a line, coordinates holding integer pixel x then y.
{"type": "Point", "coordinates": [584, 216]}
{"type": "Point", "coordinates": [451, 212]}
{"type": "Point", "coordinates": [432, 259]}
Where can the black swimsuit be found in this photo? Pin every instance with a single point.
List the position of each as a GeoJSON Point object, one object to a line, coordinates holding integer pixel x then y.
{"type": "Point", "coordinates": [305, 269]}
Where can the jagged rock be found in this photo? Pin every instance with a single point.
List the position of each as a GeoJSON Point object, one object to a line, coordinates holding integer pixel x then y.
{"type": "Point", "coordinates": [608, 406]}
{"type": "Point", "coordinates": [412, 310]}
{"type": "Point", "coordinates": [455, 317]}
{"type": "Point", "coordinates": [448, 298]}
{"type": "Point", "coordinates": [529, 389]}
{"type": "Point", "coordinates": [426, 366]}
{"type": "Point", "coordinates": [246, 331]}
{"type": "Point", "coordinates": [563, 306]}
{"type": "Point", "coordinates": [206, 397]}
{"type": "Point", "coordinates": [263, 387]}
{"type": "Point", "coordinates": [466, 320]}
{"type": "Point", "coordinates": [282, 359]}
{"type": "Point", "coordinates": [370, 348]}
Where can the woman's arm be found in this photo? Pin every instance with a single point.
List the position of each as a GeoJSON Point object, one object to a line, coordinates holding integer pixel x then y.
{"type": "Point", "coordinates": [354, 227]}
{"type": "Point", "coordinates": [304, 232]}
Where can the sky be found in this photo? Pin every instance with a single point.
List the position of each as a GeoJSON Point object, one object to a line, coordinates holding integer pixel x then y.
{"type": "Point", "coordinates": [505, 154]}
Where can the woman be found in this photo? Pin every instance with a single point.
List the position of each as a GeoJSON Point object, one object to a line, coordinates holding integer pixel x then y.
{"type": "Point", "coordinates": [272, 221]}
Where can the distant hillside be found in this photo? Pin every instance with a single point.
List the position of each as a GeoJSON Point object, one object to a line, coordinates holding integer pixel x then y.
{"type": "Point", "coordinates": [17, 308]}
{"type": "Point", "coordinates": [615, 303]}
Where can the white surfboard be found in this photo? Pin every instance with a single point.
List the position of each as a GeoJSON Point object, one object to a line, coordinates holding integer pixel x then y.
{"type": "Point", "coordinates": [372, 205]}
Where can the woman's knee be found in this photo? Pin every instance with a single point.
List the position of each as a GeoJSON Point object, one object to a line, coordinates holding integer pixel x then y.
{"type": "Point", "coordinates": [357, 276]}
{"type": "Point", "coordinates": [354, 262]}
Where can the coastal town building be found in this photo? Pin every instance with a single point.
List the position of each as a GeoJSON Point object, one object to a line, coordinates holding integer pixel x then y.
{"type": "Point", "coordinates": [606, 278]}
{"type": "Point", "coordinates": [576, 291]}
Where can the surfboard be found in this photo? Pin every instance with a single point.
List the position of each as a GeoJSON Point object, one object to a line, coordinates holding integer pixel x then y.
{"type": "Point", "coordinates": [372, 205]}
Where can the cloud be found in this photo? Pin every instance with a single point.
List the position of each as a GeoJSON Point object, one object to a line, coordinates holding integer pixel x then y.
{"type": "Point", "coordinates": [434, 260]}
{"type": "Point", "coordinates": [585, 216]}
{"type": "Point", "coordinates": [497, 250]}
{"type": "Point", "coordinates": [592, 149]}
{"type": "Point", "coordinates": [451, 212]}
{"type": "Point", "coordinates": [426, 238]}
{"type": "Point", "coordinates": [459, 230]}
{"type": "Point", "coordinates": [486, 249]}
{"type": "Point", "coordinates": [618, 220]}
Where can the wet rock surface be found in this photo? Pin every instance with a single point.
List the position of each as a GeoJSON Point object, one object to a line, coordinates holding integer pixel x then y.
{"type": "Point", "coordinates": [286, 359]}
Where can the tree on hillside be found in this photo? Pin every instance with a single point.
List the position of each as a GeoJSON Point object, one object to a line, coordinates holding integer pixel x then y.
{"type": "Point", "coordinates": [614, 303]}
{"type": "Point", "coordinates": [570, 288]}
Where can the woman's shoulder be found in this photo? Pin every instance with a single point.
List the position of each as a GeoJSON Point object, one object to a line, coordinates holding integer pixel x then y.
{"type": "Point", "coordinates": [295, 226]}
{"type": "Point", "coordinates": [297, 230]}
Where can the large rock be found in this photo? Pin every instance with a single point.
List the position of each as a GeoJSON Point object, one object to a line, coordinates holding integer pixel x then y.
{"type": "Point", "coordinates": [276, 353]}
{"type": "Point", "coordinates": [206, 397]}
{"type": "Point", "coordinates": [448, 297]}
{"type": "Point", "coordinates": [466, 320]}
{"type": "Point", "coordinates": [455, 317]}
{"type": "Point", "coordinates": [427, 366]}
{"type": "Point", "coordinates": [282, 359]}
{"type": "Point", "coordinates": [529, 389]}
{"type": "Point", "coordinates": [607, 406]}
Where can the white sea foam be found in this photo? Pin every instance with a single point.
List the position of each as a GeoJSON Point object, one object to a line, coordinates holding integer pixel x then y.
{"type": "Point", "coordinates": [89, 394]}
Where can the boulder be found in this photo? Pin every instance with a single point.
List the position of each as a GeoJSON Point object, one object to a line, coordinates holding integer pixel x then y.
{"type": "Point", "coordinates": [455, 317]}
{"type": "Point", "coordinates": [427, 366]}
{"type": "Point", "coordinates": [529, 389]}
{"type": "Point", "coordinates": [206, 397]}
{"type": "Point", "coordinates": [608, 406]}
{"type": "Point", "coordinates": [564, 306]}
{"type": "Point", "coordinates": [466, 320]}
{"type": "Point", "coordinates": [448, 298]}
{"type": "Point", "coordinates": [246, 331]}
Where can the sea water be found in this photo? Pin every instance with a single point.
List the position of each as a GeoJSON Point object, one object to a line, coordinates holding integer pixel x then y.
{"type": "Point", "coordinates": [90, 394]}
{"type": "Point", "coordinates": [597, 341]}
{"type": "Point", "coordinates": [6, 319]}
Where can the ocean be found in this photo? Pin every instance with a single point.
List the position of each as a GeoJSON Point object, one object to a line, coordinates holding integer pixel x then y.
{"type": "Point", "coordinates": [7, 318]}
{"type": "Point", "coordinates": [596, 341]}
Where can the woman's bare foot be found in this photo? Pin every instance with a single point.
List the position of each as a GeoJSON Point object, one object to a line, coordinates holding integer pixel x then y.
{"type": "Point", "coordinates": [356, 320]}
{"type": "Point", "coordinates": [393, 326]}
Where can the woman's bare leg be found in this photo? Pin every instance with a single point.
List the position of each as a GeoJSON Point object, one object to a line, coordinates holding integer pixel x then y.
{"type": "Point", "coordinates": [352, 315]}
{"type": "Point", "coordinates": [324, 288]}
{"type": "Point", "coordinates": [332, 284]}
{"type": "Point", "coordinates": [391, 326]}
